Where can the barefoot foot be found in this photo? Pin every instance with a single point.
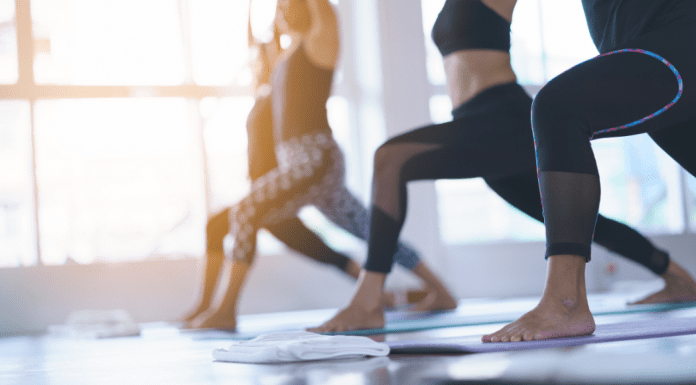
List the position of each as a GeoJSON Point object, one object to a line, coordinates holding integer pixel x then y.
{"type": "Point", "coordinates": [563, 310]}
{"type": "Point", "coordinates": [352, 318]}
{"type": "Point", "coordinates": [435, 300]}
{"type": "Point", "coordinates": [219, 319]}
{"type": "Point", "coordinates": [547, 321]}
{"type": "Point", "coordinates": [396, 298]}
{"type": "Point", "coordinates": [437, 296]}
{"type": "Point", "coordinates": [365, 309]}
{"type": "Point", "coordinates": [679, 287]}
{"type": "Point", "coordinates": [192, 314]}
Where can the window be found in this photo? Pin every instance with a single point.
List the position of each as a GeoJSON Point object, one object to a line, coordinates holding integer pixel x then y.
{"type": "Point", "coordinates": [121, 131]}
{"type": "Point", "coordinates": [641, 185]}
{"type": "Point", "coordinates": [117, 178]}
{"type": "Point", "coordinates": [106, 115]}
{"type": "Point", "coordinates": [8, 43]}
{"type": "Point", "coordinates": [17, 232]}
{"type": "Point", "coordinates": [100, 42]}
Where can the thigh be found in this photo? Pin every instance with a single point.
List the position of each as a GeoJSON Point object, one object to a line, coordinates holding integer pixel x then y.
{"type": "Point", "coordinates": [466, 148]}
{"type": "Point", "coordinates": [280, 193]}
{"type": "Point", "coordinates": [645, 86]}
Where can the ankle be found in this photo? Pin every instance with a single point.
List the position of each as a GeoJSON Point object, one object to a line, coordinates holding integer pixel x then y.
{"type": "Point", "coordinates": [370, 291]}
{"type": "Point", "coordinates": [565, 282]}
{"type": "Point", "coordinates": [352, 269]}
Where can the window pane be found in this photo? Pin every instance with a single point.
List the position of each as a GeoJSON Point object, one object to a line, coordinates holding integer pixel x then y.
{"type": "Point", "coordinates": [566, 38]}
{"type": "Point", "coordinates": [226, 149]}
{"type": "Point", "coordinates": [17, 225]}
{"type": "Point", "coordinates": [430, 10]}
{"type": "Point", "coordinates": [470, 212]}
{"type": "Point", "coordinates": [219, 41]}
{"type": "Point", "coordinates": [525, 38]}
{"type": "Point", "coordinates": [119, 179]}
{"type": "Point", "coordinates": [93, 42]}
{"type": "Point", "coordinates": [338, 112]}
{"type": "Point", "coordinates": [640, 184]}
{"type": "Point", "coordinates": [8, 43]}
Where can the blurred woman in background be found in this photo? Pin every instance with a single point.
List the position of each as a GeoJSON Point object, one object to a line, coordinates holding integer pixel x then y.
{"type": "Point", "coordinates": [309, 168]}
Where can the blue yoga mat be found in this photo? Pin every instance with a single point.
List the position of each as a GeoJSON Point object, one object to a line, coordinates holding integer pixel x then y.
{"type": "Point", "coordinates": [652, 327]}
{"type": "Point", "coordinates": [478, 313]}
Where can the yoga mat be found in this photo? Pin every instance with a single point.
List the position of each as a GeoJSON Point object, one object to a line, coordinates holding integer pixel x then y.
{"type": "Point", "coordinates": [653, 327]}
{"type": "Point", "coordinates": [402, 321]}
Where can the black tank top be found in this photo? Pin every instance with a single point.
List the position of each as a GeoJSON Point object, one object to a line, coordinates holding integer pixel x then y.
{"type": "Point", "coordinates": [261, 150]}
{"type": "Point", "coordinates": [613, 23]}
{"type": "Point", "coordinates": [300, 90]}
{"type": "Point", "coordinates": [470, 24]}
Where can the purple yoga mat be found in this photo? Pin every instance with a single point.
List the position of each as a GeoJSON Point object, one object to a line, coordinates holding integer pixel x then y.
{"type": "Point", "coordinates": [651, 327]}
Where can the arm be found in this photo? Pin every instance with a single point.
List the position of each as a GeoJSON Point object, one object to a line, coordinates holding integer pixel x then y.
{"type": "Point", "coordinates": [322, 40]}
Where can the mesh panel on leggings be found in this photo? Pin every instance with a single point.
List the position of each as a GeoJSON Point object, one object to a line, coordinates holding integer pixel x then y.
{"type": "Point", "coordinates": [570, 201]}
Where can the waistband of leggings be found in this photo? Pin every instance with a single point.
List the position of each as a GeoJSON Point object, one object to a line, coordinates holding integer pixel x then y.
{"type": "Point", "coordinates": [493, 98]}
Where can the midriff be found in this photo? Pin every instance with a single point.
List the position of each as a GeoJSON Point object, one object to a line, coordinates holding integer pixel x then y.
{"type": "Point", "coordinates": [469, 72]}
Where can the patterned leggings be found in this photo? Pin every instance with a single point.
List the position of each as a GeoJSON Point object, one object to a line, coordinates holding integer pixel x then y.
{"type": "Point", "coordinates": [310, 172]}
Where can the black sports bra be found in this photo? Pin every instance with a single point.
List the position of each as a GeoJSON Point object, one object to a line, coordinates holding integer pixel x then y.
{"type": "Point", "coordinates": [470, 24]}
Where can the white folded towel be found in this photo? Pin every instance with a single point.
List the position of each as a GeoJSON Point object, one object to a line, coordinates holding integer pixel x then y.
{"type": "Point", "coordinates": [299, 346]}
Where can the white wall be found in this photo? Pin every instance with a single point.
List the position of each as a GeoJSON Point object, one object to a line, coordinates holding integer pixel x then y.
{"type": "Point", "coordinates": [31, 298]}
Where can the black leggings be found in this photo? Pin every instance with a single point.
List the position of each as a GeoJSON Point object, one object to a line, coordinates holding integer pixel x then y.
{"type": "Point", "coordinates": [291, 231]}
{"type": "Point", "coordinates": [490, 137]}
{"type": "Point", "coordinates": [645, 86]}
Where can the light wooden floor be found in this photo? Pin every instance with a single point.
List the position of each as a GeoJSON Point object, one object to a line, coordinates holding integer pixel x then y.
{"type": "Point", "coordinates": [163, 355]}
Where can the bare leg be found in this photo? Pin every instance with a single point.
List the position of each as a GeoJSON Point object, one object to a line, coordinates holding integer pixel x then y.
{"type": "Point", "coordinates": [216, 229]}
{"type": "Point", "coordinates": [679, 287]}
{"type": "Point", "coordinates": [213, 264]}
{"type": "Point", "coordinates": [365, 309]}
{"type": "Point", "coordinates": [225, 317]}
{"type": "Point", "coordinates": [437, 296]}
{"type": "Point", "coordinates": [563, 310]}
{"type": "Point", "coordinates": [353, 269]}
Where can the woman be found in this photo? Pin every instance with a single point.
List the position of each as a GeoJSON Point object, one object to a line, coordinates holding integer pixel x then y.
{"type": "Point", "coordinates": [310, 166]}
{"type": "Point", "coordinates": [261, 159]}
{"type": "Point", "coordinates": [642, 82]}
{"type": "Point", "coordinates": [490, 137]}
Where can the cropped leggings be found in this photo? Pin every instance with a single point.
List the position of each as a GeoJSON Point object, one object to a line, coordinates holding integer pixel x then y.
{"type": "Point", "coordinates": [645, 86]}
{"type": "Point", "coordinates": [292, 232]}
{"type": "Point", "coordinates": [310, 172]}
{"type": "Point", "coordinates": [490, 137]}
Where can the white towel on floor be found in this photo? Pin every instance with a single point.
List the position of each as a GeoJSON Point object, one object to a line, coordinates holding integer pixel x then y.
{"type": "Point", "coordinates": [97, 324]}
{"type": "Point", "coordinates": [299, 346]}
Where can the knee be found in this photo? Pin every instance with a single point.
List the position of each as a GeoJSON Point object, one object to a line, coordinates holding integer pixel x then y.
{"type": "Point", "coordinates": [216, 229]}
{"type": "Point", "coordinates": [549, 108]}
{"type": "Point", "coordinates": [385, 161]}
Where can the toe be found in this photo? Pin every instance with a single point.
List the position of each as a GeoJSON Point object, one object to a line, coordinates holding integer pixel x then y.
{"type": "Point", "coordinates": [528, 336]}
